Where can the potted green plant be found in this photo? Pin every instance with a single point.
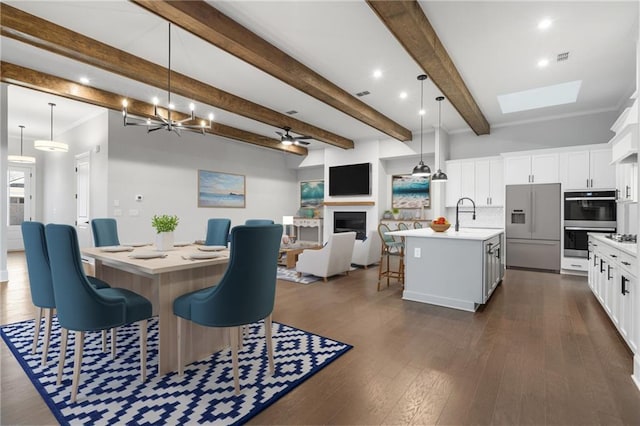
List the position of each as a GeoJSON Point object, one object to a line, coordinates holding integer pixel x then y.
{"type": "Point", "coordinates": [164, 226]}
{"type": "Point", "coordinates": [396, 212]}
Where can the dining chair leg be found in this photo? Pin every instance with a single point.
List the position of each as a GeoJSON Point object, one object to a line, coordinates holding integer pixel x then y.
{"type": "Point", "coordinates": [114, 332]}
{"type": "Point", "coordinates": [180, 360]}
{"type": "Point", "coordinates": [267, 336]}
{"type": "Point", "coordinates": [240, 337]}
{"type": "Point", "coordinates": [143, 350]}
{"type": "Point", "coordinates": [48, 317]}
{"type": "Point", "coordinates": [234, 358]}
{"type": "Point", "coordinates": [63, 353]}
{"type": "Point", "coordinates": [388, 266]}
{"type": "Point", "coordinates": [36, 332]}
{"type": "Point", "coordinates": [104, 341]}
{"type": "Point", "coordinates": [77, 364]}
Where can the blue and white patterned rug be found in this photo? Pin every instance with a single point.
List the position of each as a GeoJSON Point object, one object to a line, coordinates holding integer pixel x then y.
{"type": "Point", "coordinates": [292, 275]}
{"type": "Point", "coordinates": [110, 392]}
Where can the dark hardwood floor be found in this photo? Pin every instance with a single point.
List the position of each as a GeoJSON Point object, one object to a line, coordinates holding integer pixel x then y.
{"type": "Point", "coordinates": [542, 351]}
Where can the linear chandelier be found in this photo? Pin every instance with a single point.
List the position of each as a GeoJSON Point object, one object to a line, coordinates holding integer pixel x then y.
{"type": "Point", "coordinates": [167, 123]}
{"type": "Point", "coordinates": [24, 159]}
{"type": "Point", "coordinates": [50, 145]}
{"type": "Point", "coordinates": [421, 169]}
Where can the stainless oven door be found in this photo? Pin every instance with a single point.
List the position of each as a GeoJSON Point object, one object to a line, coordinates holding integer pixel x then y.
{"type": "Point", "coordinates": [576, 239]}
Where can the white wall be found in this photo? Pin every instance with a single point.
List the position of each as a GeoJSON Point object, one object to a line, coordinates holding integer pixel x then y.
{"type": "Point", "coordinates": [567, 131]}
{"type": "Point", "coordinates": [4, 273]}
{"type": "Point", "coordinates": [163, 168]}
{"type": "Point", "coordinates": [56, 172]}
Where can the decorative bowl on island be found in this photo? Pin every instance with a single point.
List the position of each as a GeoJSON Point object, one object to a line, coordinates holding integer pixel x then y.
{"type": "Point", "coordinates": [440, 227]}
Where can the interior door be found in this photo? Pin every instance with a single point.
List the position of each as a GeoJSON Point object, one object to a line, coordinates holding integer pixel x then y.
{"type": "Point", "coordinates": [20, 203]}
{"type": "Point", "coordinates": [83, 197]}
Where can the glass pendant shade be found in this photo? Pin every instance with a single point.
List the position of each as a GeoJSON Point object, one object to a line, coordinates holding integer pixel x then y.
{"type": "Point", "coordinates": [51, 145]}
{"type": "Point", "coordinates": [23, 159]}
{"type": "Point", "coordinates": [439, 176]}
{"type": "Point", "coordinates": [421, 170]}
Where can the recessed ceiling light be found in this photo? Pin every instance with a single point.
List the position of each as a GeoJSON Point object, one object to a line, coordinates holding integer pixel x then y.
{"type": "Point", "coordinates": [377, 74]}
{"type": "Point", "coordinates": [544, 24]}
{"type": "Point", "coordinates": [403, 95]}
{"type": "Point", "coordinates": [541, 97]}
{"type": "Point", "coordinates": [543, 63]}
{"type": "Point", "coordinates": [84, 80]}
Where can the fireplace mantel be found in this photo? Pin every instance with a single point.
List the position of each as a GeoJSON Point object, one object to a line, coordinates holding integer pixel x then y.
{"type": "Point", "coordinates": [349, 203]}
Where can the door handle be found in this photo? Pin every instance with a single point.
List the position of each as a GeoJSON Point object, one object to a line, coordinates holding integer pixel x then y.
{"type": "Point", "coordinates": [623, 287]}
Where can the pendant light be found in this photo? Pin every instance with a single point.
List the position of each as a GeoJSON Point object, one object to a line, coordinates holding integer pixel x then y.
{"type": "Point", "coordinates": [439, 176]}
{"type": "Point", "coordinates": [24, 159]}
{"type": "Point", "coordinates": [421, 169]}
{"type": "Point", "coordinates": [51, 145]}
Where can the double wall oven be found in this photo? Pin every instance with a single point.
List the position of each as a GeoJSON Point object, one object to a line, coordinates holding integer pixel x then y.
{"type": "Point", "coordinates": [584, 212]}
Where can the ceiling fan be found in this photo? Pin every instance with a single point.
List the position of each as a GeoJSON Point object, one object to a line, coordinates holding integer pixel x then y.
{"type": "Point", "coordinates": [287, 139]}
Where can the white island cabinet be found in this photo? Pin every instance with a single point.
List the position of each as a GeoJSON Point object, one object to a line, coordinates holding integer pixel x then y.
{"type": "Point", "coordinates": [454, 269]}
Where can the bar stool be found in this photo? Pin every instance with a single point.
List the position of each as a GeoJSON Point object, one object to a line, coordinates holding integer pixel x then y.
{"type": "Point", "coordinates": [390, 247]}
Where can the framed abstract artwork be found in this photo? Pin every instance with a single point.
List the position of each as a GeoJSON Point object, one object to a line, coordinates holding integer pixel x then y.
{"type": "Point", "coordinates": [410, 192]}
{"type": "Point", "coordinates": [311, 193]}
{"type": "Point", "coordinates": [216, 189]}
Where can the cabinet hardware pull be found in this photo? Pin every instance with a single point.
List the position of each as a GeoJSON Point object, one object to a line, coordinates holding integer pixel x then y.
{"type": "Point", "coordinates": [577, 266]}
{"type": "Point", "coordinates": [626, 263]}
{"type": "Point", "coordinates": [595, 259]}
{"type": "Point", "coordinates": [608, 272]}
{"type": "Point", "coordinates": [623, 287]}
{"type": "Point", "coordinates": [592, 183]}
{"type": "Point", "coordinates": [626, 191]}
{"type": "Point", "coordinates": [617, 194]}
{"type": "Point", "coordinates": [587, 183]}
{"type": "Point", "coordinates": [613, 255]}
{"type": "Point", "coordinates": [601, 265]}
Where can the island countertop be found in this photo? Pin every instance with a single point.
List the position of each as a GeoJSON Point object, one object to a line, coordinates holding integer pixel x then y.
{"type": "Point", "coordinates": [479, 234]}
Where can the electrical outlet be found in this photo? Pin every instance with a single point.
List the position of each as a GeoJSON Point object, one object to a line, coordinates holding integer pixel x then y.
{"type": "Point", "coordinates": [117, 212]}
{"type": "Point", "coordinates": [417, 252]}
{"type": "Point", "coordinates": [133, 212]}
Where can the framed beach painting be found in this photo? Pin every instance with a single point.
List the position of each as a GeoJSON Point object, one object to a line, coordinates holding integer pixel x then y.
{"type": "Point", "coordinates": [216, 189]}
{"type": "Point", "coordinates": [311, 193]}
{"type": "Point", "coordinates": [410, 192]}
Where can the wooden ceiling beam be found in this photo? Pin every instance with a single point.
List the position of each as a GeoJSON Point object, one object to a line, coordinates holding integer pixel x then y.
{"type": "Point", "coordinates": [32, 79]}
{"type": "Point", "coordinates": [408, 23]}
{"type": "Point", "coordinates": [46, 35]}
{"type": "Point", "coordinates": [211, 25]}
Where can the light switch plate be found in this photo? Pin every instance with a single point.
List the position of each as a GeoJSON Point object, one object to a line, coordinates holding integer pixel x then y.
{"type": "Point", "coordinates": [417, 252]}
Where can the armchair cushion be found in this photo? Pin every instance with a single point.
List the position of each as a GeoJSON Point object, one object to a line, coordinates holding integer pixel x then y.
{"type": "Point", "coordinates": [367, 252]}
{"type": "Point", "coordinates": [334, 258]}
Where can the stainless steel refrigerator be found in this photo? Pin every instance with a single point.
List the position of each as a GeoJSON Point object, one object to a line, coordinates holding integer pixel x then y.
{"type": "Point", "coordinates": [533, 226]}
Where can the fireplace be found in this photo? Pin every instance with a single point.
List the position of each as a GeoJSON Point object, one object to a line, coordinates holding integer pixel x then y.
{"type": "Point", "coordinates": [351, 221]}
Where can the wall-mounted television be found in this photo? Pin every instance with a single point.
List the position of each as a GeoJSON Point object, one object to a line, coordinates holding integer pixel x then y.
{"type": "Point", "coordinates": [351, 179]}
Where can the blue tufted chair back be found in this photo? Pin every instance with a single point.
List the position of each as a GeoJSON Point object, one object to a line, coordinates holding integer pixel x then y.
{"type": "Point", "coordinates": [35, 249]}
{"type": "Point", "coordinates": [218, 232]}
{"type": "Point", "coordinates": [105, 232]}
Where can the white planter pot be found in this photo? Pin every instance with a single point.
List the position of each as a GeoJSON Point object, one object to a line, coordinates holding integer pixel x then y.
{"type": "Point", "coordinates": [164, 241]}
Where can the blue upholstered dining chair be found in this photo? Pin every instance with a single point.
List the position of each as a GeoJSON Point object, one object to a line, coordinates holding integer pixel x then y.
{"type": "Point", "coordinates": [218, 232]}
{"type": "Point", "coordinates": [82, 308]}
{"type": "Point", "coordinates": [40, 283]}
{"type": "Point", "coordinates": [258, 222]}
{"type": "Point", "coordinates": [244, 295]}
{"type": "Point", "coordinates": [105, 232]}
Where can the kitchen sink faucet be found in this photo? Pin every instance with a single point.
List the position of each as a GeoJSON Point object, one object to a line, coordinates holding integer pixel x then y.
{"type": "Point", "coordinates": [457, 211]}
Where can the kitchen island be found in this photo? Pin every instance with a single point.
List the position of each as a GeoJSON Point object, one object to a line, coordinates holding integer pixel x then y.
{"type": "Point", "coordinates": [454, 269]}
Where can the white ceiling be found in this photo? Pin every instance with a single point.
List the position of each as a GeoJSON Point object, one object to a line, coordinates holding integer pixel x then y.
{"type": "Point", "coordinates": [495, 46]}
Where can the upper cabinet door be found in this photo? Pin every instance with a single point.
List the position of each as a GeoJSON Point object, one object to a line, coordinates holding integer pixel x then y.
{"type": "Point", "coordinates": [453, 183]}
{"type": "Point", "coordinates": [545, 168]}
{"type": "Point", "coordinates": [517, 170]}
{"type": "Point", "coordinates": [467, 185]}
{"type": "Point", "coordinates": [497, 183]}
{"type": "Point", "coordinates": [602, 174]}
{"type": "Point", "coordinates": [577, 176]}
{"type": "Point", "coordinates": [483, 183]}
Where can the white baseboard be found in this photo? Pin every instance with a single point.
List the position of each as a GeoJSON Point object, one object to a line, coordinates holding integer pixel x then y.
{"type": "Point", "coordinates": [636, 370]}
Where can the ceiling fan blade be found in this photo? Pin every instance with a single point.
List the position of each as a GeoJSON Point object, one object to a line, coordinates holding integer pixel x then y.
{"type": "Point", "coordinates": [299, 142]}
{"type": "Point", "coordinates": [280, 133]}
{"type": "Point", "coordinates": [299, 138]}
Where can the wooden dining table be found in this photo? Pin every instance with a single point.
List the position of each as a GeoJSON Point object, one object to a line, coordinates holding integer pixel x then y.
{"type": "Point", "coordinates": [162, 280]}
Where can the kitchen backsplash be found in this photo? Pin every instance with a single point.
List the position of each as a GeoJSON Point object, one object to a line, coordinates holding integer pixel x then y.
{"type": "Point", "coordinates": [486, 217]}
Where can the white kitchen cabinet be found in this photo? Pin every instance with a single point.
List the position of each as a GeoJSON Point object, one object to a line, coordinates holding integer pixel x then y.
{"type": "Point", "coordinates": [624, 145]}
{"type": "Point", "coordinates": [627, 182]}
{"type": "Point", "coordinates": [461, 181]}
{"type": "Point", "coordinates": [589, 169]}
{"type": "Point", "coordinates": [539, 168]}
{"type": "Point", "coordinates": [489, 180]}
{"type": "Point", "coordinates": [614, 283]}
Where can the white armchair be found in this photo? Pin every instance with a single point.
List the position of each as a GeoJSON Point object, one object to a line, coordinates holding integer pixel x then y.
{"type": "Point", "coordinates": [367, 252]}
{"type": "Point", "coordinates": [334, 258]}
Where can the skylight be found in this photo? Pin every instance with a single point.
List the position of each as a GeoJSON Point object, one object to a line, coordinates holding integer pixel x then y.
{"type": "Point", "coordinates": [541, 97]}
